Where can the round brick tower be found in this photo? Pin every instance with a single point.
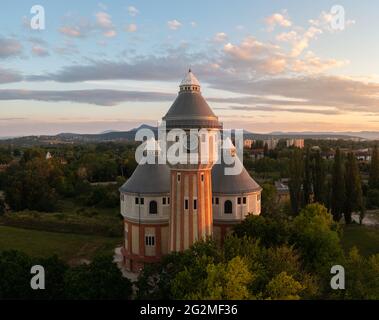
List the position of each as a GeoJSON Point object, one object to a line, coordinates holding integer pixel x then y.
{"type": "Point", "coordinates": [197, 132]}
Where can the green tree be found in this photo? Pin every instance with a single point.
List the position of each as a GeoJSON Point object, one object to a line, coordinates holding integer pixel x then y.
{"type": "Point", "coordinates": [362, 281]}
{"type": "Point", "coordinates": [307, 181]}
{"type": "Point", "coordinates": [283, 287]}
{"type": "Point", "coordinates": [101, 279]}
{"type": "Point", "coordinates": [338, 187]}
{"type": "Point", "coordinates": [228, 281]}
{"type": "Point", "coordinates": [374, 169]}
{"type": "Point", "coordinates": [269, 199]}
{"type": "Point", "coordinates": [296, 172]}
{"type": "Point", "coordinates": [317, 238]}
{"type": "Point", "coordinates": [354, 196]}
{"type": "Point", "coordinates": [319, 178]}
{"type": "Point", "coordinates": [15, 275]}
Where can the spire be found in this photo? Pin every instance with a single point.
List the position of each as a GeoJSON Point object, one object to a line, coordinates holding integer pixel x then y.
{"type": "Point", "coordinates": [190, 83]}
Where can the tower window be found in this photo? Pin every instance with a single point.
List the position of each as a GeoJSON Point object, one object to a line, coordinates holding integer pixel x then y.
{"type": "Point", "coordinates": [186, 204]}
{"type": "Point", "coordinates": [153, 207]}
{"type": "Point", "coordinates": [163, 200]}
{"type": "Point", "coordinates": [216, 200]}
{"type": "Point", "coordinates": [136, 200]}
{"type": "Point", "coordinates": [244, 200]}
{"type": "Point", "coordinates": [178, 176]}
{"type": "Point", "coordinates": [150, 241]}
{"type": "Point", "coordinates": [213, 200]}
{"type": "Point", "coordinates": [202, 177]}
{"type": "Point", "coordinates": [142, 200]}
{"type": "Point", "coordinates": [168, 200]}
{"type": "Point", "coordinates": [239, 200]}
{"type": "Point", "coordinates": [195, 204]}
{"type": "Point", "coordinates": [228, 207]}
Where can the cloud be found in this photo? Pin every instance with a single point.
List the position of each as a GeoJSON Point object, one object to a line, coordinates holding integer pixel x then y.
{"type": "Point", "coordinates": [249, 48]}
{"type": "Point", "coordinates": [277, 19]}
{"type": "Point", "coordinates": [104, 20]}
{"type": "Point", "coordinates": [324, 22]}
{"type": "Point", "coordinates": [174, 24]}
{"type": "Point", "coordinates": [39, 51]}
{"type": "Point", "coordinates": [193, 24]}
{"type": "Point", "coordinates": [322, 111]}
{"type": "Point", "coordinates": [131, 27]}
{"type": "Point", "coordinates": [9, 47]}
{"type": "Point", "coordinates": [95, 96]}
{"type": "Point", "coordinates": [300, 44]}
{"type": "Point", "coordinates": [9, 76]}
{"type": "Point", "coordinates": [104, 23]}
{"type": "Point", "coordinates": [110, 33]}
{"type": "Point", "coordinates": [287, 36]}
{"type": "Point", "coordinates": [72, 31]}
{"type": "Point", "coordinates": [133, 11]}
{"type": "Point", "coordinates": [220, 37]}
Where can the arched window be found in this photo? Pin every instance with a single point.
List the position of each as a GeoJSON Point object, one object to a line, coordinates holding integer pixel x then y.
{"type": "Point", "coordinates": [228, 207]}
{"type": "Point", "coordinates": [153, 207]}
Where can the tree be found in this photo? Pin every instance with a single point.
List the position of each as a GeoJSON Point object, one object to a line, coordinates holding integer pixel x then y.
{"type": "Point", "coordinates": [354, 197]}
{"type": "Point", "coordinates": [319, 178]}
{"type": "Point", "coordinates": [296, 171]}
{"type": "Point", "coordinates": [316, 236]}
{"type": "Point", "coordinates": [223, 281]}
{"type": "Point", "coordinates": [307, 181]}
{"type": "Point", "coordinates": [374, 169]}
{"type": "Point", "coordinates": [338, 187]}
{"type": "Point", "coordinates": [269, 200]}
{"type": "Point", "coordinates": [31, 184]}
{"type": "Point", "coordinates": [271, 231]}
{"type": "Point", "coordinates": [15, 275]}
{"type": "Point", "coordinates": [283, 287]}
{"type": "Point", "coordinates": [101, 279]}
{"type": "Point", "coordinates": [362, 281]}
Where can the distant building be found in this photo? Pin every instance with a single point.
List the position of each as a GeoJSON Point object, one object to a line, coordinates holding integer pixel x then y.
{"type": "Point", "coordinates": [271, 143]}
{"type": "Point", "coordinates": [248, 143]}
{"type": "Point", "coordinates": [363, 155]}
{"type": "Point", "coordinates": [256, 154]}
{"type": "Point", "coordinates": [297, 143]}
{"type": "Point", "coordinates": [282, 192]}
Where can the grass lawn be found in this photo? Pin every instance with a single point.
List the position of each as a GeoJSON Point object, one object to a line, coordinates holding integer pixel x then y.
{"type": "Point", "coordinates": [365, 238]}
{"type": "Point", "coordinates": [72, 248]}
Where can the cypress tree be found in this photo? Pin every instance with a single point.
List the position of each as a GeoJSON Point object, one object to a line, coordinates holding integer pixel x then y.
{"type": "Point", "coordinates": [296, 168]}
{"type": "Point", "coordinates": [319, 178]}
{"type": "Point", "coordinates": [373, 181]}
{"type": "Point", "coordinates": [307, 182]}
{"type": "Point", "coordinates": [338, 187]}
{"type": "Point", "coordinates": [354, 197]}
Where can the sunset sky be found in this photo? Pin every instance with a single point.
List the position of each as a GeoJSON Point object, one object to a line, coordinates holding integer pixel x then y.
{"type": "Point", "coordinates": [264, 66]}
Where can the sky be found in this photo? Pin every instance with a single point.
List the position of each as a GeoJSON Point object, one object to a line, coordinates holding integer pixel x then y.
{"type": "Point", "coordinates": [264, 66]}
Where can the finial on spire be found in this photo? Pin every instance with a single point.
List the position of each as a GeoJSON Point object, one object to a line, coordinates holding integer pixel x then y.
{"type": "Point", "coordinates": [190, 83]}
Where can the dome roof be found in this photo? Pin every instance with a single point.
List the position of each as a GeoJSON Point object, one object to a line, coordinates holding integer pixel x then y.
{"type": "Point", "coordinates": [232, 184]}
{"type": "Point", "coordinates": [190, 110]}
{"type": "Point", "coordinates": [148, 179]}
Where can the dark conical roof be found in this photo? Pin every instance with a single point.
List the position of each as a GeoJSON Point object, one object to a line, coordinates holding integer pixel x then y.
{"type": "Point", "coordinates": [190, 110]}
{"type": "Point", "coordinates": [232, 184]}
{"type": "Point", "coordinates": [148, 179]}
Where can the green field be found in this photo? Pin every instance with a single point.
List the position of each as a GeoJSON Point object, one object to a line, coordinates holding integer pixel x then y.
{"type": "Point", "coordinates": [72, 248]}
{"type": "Point", "coordinates": [365, 238]}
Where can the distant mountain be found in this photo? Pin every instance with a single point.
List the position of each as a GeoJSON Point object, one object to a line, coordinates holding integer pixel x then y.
{"type": "Point", "coordinates": [112, 135]}
{"type": "Point", "coordinates": [369, 135]}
